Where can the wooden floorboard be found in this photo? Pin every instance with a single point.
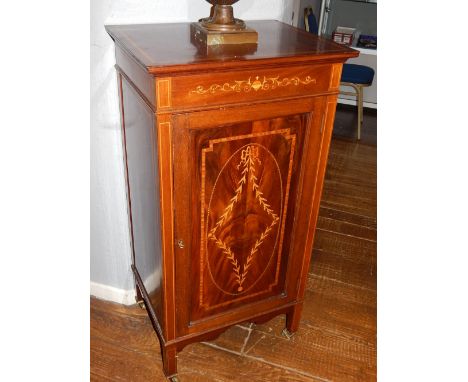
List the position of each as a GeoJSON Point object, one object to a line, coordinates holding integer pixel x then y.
{"type": "Point", "coordinates": [336, 340]}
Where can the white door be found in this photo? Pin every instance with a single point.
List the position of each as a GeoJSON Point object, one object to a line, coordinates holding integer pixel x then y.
{"type": "Point", "coordinates": [324, 11]}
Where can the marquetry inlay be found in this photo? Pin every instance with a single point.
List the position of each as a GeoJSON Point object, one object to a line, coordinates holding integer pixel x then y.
{"type": "Point", "coordinates": [247, 165]}
{"type": "Point", "coordinates": [247, 211]}
{"type": "Point", "coordinates": [163, 92]}
{"type": "Point", "coordinates": [268, 83]}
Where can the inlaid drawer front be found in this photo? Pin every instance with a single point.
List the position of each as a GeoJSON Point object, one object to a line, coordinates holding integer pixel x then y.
{"type": "Point", "coordinates": [246, 86]}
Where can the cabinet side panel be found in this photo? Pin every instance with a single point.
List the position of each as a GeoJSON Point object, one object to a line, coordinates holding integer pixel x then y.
{"type": "Point", "coordinates": [143, 183]}
{"type": "Point", "coordinates": [136, 73]}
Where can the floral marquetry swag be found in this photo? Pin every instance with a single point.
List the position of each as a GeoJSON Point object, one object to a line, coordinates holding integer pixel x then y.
{"type": "Point", "coordinates": [247, 168]}
{"type": "Point", "coordinates": [256, 85]}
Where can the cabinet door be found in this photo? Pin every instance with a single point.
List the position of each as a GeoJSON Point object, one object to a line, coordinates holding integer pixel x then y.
{"type": "Point", "coordinates": [237, 176]}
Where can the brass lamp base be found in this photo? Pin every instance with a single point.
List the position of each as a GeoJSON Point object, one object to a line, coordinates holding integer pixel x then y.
{"type": "Point", "coordinates": [207, 37]}
{"type": "Point", "coordinates": [221, 28]}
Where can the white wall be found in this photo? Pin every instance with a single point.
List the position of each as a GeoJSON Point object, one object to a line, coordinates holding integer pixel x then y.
{"type": "Point", "coordinates": [110, 241]}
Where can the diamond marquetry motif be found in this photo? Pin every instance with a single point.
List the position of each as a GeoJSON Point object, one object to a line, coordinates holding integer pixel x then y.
{"type": "Point", "coordinates": [248, 183]}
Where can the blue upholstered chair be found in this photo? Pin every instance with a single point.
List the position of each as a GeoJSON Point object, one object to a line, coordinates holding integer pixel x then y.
{"type": "Point", "coordinates": [357, 77]}
{"type": "Point", "coordinates": [354, 76]}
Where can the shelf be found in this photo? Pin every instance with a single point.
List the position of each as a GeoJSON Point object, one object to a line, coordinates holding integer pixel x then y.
{"type": "Point", "coordinates": [372, 52]}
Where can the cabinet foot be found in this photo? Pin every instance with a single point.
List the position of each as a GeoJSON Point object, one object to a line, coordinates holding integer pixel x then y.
{"type": "Point", "coordinates": [293, 318]}
{"type": "Point", "coordinates": [286, 333]}
{"type": "Point", "coordinates": [169, 358]}
{"type": "Point", "coordinates": [139, 298]}
{"type": "Point", "coordinates": [174, 379]}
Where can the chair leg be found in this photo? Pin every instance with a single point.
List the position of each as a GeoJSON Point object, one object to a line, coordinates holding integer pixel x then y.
{"type": "Point", "coordinates": [360, 110]}
{"type": "Point", "coordinates": [359, 94]}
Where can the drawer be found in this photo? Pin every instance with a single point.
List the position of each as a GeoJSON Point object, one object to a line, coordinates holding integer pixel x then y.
{"type": "Point", "coordinates": [205, 90]}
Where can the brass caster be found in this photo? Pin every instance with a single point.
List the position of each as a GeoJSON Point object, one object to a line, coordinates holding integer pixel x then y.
{"type": "Point", "coordinates": [174, 379]}
{"type": "Point", "coordinates": [286, 333]}
{"type": "Point", "coordinates": [141, 304]}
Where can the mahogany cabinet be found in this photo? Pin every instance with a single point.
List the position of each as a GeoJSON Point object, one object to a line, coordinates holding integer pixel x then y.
{"type": "Point", "coordinates": [225, 154]}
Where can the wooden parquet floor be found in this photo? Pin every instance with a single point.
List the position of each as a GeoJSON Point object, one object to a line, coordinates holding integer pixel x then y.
{"type": "Point", "coordinates": [336, 340]}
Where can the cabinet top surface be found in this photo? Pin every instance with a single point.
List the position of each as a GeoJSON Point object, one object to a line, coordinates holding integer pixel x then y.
{"type": "Point", "coordinates": [164, 48]}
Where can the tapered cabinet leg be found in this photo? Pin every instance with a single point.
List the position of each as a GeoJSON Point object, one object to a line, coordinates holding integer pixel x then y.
{"type": "Point", "coordinates": [169, 358]}
{"type": "Point", "coordinates": [292, 321]}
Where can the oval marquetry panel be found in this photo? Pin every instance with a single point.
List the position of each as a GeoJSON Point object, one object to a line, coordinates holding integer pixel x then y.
{"type": "Point", "coordinates": [245, 187]}
{"type": "Point", "coordinates": [243, 229]}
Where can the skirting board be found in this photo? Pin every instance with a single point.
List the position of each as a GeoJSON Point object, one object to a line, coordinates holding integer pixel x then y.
{"type": "Point", "coordinates": [106, 292]}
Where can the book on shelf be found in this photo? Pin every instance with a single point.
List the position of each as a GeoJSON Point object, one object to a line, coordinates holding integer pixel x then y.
{"type": "Point", "coordinates": [367, 41]}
